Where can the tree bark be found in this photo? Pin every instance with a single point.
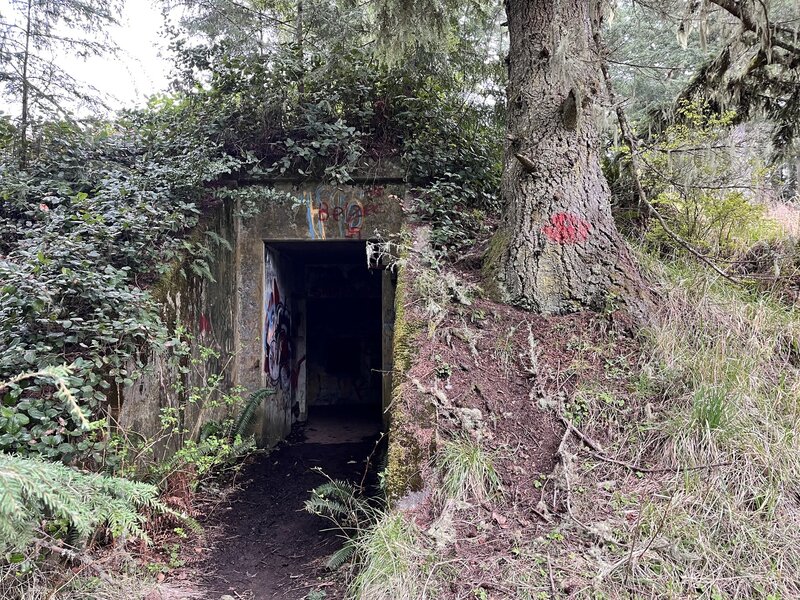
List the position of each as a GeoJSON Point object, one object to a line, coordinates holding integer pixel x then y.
{"type": "Point", "coordinates": [558, 249]}
{"type": "Point", "coordinates": [25, 113]}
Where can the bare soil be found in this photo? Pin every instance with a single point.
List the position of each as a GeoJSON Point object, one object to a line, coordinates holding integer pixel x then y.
{"type": "Point", "coordinates": [263, 545]}
{"type": "Point", "coordinates": [479, 357]}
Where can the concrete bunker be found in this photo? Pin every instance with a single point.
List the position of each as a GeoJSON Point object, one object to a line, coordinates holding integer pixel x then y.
{"type": "Point", "coordinates": [327, 315]}
{"type": "Point", "coordinates": [292, 304]}
{"type": "Point", "coordinates": [315, 317]}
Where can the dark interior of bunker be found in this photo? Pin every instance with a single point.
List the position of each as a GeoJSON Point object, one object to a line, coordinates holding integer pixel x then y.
{"type": "Point", "coordinates": [324, 329]}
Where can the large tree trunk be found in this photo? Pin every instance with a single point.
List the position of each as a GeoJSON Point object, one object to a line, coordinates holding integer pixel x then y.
{"type": "Point", "coordinates": [558, 249]}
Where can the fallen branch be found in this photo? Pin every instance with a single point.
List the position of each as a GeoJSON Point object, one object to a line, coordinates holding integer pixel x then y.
{"type": "Point", "coordinates": [639, 469]}
{"type": "Point", "coordinates": [597, 452]}
{"type": "Point", "coordinates": [81, 557]}
{"type": "Point", "coordinates": [564, 457]}
{"type": "Point", "coordinates": [550, 573]}
{"type": "Point", "coordinates": [586, 439]}
{"type": "Point", "coordinates": [634, 556]}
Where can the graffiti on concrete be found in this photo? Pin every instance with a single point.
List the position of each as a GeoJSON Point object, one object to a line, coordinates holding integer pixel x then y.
{"type": "Point", "coordinates": [296, 372]}
{"type": "Point", "coordinates": [566, 228]}
{"type": "Point", "coordinates": [343, 210]}
{"type": "Point", "coordinates": [277, 338]}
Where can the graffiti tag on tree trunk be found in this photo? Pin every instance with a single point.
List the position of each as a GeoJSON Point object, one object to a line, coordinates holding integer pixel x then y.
{"type": "Point", "coordinates": [566, 228]}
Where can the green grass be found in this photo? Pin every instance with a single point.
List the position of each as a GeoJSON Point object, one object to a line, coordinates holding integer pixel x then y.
{"type": "Point", "coordinates": [467, 471]}
{"type": "Point", "coordinates": [725, 523]}
{"type": "Point", "coordinates": [714, 410]}
{"type": "Point", "coordinates": [394, 561]}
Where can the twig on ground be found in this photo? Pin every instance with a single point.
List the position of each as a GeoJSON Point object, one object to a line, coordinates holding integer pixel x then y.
{"type": "Point", "coordinates": [641, 469]}
{"type": "Point", "coordinates": [634, 556]}
{"type": "Point", "coordinates": [541, 515]}
{"type": "Point", "coordinates": [565, 459]}
{"type": "Point", "coordinates": [550, 573]}
{"type": "Point", "coordinates": [81, 557]}
{"type": "Point", "coordinates": [597, 452]}
{"type": "Point", "coordinates": [586, 439]}
{"type": "Point", "coordinates": [629, 571]}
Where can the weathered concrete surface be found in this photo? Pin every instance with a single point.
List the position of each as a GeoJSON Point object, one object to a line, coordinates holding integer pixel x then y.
{"type": "Point", "coordinates": [229, 315]}
{"type": "Point", "coordinates": [411, 430]}
{"type": "Point", "coordinates": [204, 311]}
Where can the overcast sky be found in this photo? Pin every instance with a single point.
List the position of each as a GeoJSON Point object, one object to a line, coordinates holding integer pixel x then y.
{"type": "Point", "coordinates": [142, 66]}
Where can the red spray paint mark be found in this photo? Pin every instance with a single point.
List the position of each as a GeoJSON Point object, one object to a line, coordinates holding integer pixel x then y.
{"type": "Point", "coordinates": [566, 228]}
{"type": "Point", "coordinates": [205, 324]}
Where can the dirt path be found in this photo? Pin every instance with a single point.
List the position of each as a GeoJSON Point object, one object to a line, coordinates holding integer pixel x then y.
{"type": "Point", "coordinates": [265, 546]}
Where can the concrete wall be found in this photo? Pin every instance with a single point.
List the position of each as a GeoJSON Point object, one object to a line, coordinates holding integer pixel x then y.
{"type": "Point", "coordinates": [205, 311]}
{"type": "Point", "coordinates": [278, 348]}
{"type": "Point", "coordinates": [240, 315]}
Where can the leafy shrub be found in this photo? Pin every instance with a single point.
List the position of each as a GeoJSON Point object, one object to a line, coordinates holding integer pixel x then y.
{"type": "Point", "coordinates": [26, 422]}
{"type": "Point", "coordinates": [701, 179]}
{"type": "Point", "coordinates": [456, 166]}
{"type": "Point", "coordinates": [353, 112]}
{"type": "Point", "coordinates": [99, 213]}
{"type": "Point", "coordinates": [718, 223]}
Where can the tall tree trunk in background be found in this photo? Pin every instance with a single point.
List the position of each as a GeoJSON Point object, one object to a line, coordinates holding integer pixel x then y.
{"type": "Point", "coordinates": [298, 41]}
{"type": "Point", "coordinates": [558, 248]}
{"type": "Point", "coordinates": [25, 113]}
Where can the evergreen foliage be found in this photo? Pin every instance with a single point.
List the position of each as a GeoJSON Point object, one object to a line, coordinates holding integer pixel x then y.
{"type": "Point", "coordinates": [40, 498]}
{"type": "Point", "coordinates": [94, 213]}
{"type": "Point", "coordinates": [32, 32]}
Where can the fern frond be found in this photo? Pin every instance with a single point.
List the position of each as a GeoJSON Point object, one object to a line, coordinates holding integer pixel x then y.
{"type": "Point", "coordinates": [34, 491]}
{"type": "Point", "coordinates": [219, 240]}
{"type": "Point", "coordinates": [245, 418]}
{"type": "Point", "coordinates": [341, 556]}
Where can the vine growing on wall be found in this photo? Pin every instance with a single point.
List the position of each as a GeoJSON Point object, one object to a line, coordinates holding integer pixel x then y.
{"type": "Point", "coordinates": [96, 218]}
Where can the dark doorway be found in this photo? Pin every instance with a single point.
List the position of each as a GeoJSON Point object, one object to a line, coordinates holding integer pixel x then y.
{"type": "Point", "coordinates": [327, 333]}
{"type": "Point", "coordinates": [336, 347]}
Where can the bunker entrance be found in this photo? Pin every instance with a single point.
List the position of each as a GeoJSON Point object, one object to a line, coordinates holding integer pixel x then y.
{"type": "Point", "coordinates": [327, 339]}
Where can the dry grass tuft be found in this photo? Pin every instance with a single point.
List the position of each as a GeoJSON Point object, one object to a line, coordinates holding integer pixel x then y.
{"type": "Point", "coordinates": [394, 561]}
{"type": "Point", "coordinates": [726, 361]}
{"type": "Point", "coordinates": [467, 471]}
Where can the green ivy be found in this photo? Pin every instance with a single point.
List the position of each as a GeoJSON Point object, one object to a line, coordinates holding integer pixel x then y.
{"type": "Point", "coordinates": [98, 217]}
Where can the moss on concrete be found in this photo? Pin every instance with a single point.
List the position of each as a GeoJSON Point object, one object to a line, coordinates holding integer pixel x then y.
{"type": "Point", "coordinates": [405, 454]}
